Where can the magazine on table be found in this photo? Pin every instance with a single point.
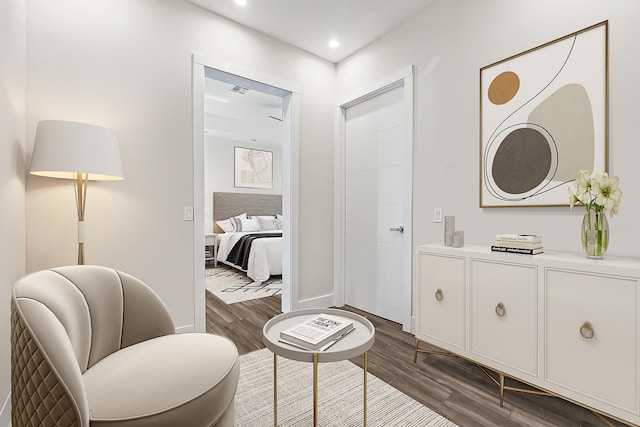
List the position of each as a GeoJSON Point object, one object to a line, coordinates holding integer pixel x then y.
{"type": "Point", "coordinates": [317, 332]}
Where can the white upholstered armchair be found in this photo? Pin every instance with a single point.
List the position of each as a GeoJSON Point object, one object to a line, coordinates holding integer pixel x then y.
{"type": "Point", "coordinates": [92, 346]}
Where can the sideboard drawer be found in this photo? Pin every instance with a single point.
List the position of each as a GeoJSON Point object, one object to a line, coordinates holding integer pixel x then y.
{"type": "Point", "coordinates": [592, 336]}
{"type": "Point", "coordinates": [503, 319]}
{"type": "Point", "coordinates": [442, 300]}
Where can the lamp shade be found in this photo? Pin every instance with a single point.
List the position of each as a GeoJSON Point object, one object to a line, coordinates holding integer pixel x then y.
{"type": "Point", "coordinates": [63, 149]}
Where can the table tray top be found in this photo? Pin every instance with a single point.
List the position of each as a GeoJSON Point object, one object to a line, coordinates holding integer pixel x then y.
{"type": "Point", "coordinates": [352, 345]}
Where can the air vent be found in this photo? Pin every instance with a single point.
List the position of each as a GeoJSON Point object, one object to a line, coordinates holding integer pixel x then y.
{"type": "Point", "coordinates": [240, 89]}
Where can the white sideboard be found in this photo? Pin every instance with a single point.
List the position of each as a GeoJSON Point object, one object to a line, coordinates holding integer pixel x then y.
{"type": "Point", "coordinates": [561, 322]}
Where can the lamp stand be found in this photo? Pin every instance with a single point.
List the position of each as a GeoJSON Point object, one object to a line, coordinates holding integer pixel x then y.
{"type": "Point", "coordinates": [80, 185]}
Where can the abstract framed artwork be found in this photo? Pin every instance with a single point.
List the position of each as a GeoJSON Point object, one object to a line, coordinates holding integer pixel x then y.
{"type": "Point", "coordinates": [543, 118]}
{"type": "Point", "coordinates": [253, 168]}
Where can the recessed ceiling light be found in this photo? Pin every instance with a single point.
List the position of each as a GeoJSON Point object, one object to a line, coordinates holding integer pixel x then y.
{"type": "Point", "coordinates": [334, 43]}
{"type": "Point", "coordinates": [241, 2]}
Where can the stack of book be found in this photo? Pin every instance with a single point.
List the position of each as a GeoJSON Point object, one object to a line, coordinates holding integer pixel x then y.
{"type": "Point", "coordinates": [528, 244]}
{"type": "Point", "coordinates": [318, 333]}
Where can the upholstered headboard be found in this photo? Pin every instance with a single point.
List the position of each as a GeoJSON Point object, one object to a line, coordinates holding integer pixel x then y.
{"type": "Point", "coordinates": [226, 205]}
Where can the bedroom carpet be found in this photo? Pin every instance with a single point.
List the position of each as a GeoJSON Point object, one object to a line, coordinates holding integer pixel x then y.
{"type": "Point", "coordinates": [231, 285]}
{"type": "Point", "coordinates": [339, 401]}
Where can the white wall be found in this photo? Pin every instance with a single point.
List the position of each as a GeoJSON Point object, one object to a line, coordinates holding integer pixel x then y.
{"type": "Point", "coordinates": [448, 43]}
{"type": "Point", "coordinates": [12, 171]}
{"type": "Point", "coordinates": [219, 172]}
{"type": "Point", "coordinates": [126, 65]}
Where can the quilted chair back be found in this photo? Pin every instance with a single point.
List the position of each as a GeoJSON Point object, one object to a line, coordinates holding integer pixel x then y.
{"type": "Point", "coordinates": [64, 321]}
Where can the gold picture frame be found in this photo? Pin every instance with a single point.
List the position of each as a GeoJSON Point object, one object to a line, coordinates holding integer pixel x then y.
{"type": "Point", "coordinates": [544, 117]}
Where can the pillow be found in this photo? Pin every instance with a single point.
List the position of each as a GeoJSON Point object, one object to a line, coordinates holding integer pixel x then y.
{"type": "Point", "coordinates": [229, 225]}
{"type": "Point", "coordinates": [278, 222]}
{"type": "Point", "coordinates": [226, 225]}
{"type": "Point", "coordinates": [245, 223]}
{"type": "Point", "coordinates": [267, 223]}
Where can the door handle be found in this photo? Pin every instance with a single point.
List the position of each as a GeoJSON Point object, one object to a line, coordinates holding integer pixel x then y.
{"type": "Point", "coordinates": [400, 229]}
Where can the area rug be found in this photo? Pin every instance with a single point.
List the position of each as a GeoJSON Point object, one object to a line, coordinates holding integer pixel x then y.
{"type": "Point", "coordinates": [231, 285]}
{"type": "Point", "coordinates": [340, 396]}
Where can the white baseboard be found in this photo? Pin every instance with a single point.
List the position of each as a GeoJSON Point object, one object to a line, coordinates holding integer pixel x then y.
{"type": "Point", "coordinates": [413, 325]}
{"type": "Point", "coordinates": [5, 413]}
{"type": "Point", "coordinates": [318, 302]}
{"type": "Point", "coordinates": [185, 329]}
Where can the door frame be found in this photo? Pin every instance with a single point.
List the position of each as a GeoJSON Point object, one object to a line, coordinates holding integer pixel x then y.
{"type": "Point", "coordinates": [404, 78]}
{"type": "Point", "coordinates": [290, 179]}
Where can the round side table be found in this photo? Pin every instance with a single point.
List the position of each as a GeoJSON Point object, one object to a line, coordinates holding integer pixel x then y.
{"type": "Point", "coordinates": [354, 344]}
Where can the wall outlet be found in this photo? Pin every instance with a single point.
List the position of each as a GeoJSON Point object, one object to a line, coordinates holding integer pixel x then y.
{"type": "Point", "coordinates": [437, 215]}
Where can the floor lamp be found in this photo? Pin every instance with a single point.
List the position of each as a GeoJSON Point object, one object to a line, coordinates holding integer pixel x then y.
{"type": "Point", "coordinates": [80, 152]}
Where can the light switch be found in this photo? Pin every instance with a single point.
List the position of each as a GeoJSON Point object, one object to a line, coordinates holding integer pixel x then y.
{"type": "Point", "coordinates": [437, 215]}
{"type": "Point", "coordinates": [188, 213]}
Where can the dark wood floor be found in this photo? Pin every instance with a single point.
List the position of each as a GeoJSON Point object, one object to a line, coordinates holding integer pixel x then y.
{"type": "Point", "coordinates": [453, 387]}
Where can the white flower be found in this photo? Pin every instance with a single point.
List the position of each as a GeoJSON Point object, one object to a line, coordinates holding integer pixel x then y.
{"type": "Point", "coordinates": [583, 185]}
{"type": "Point", "coordinates": [615, 209]}
{"type": "Point", "coordinates": [599, 192]}
{"type": "Point", "coordinates": [573, 199]}
{"type": "Point", "coordinates": [607, 192]}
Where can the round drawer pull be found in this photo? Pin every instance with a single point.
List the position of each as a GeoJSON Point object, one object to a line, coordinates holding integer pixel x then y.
{"type": "Point", "coordinates": [586, 330]}
{"type": "Point", "coordinates": [439, 295]}
{"type": "Point", "coordinates": [500, 310]}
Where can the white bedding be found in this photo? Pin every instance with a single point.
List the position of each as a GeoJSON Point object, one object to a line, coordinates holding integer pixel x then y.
{"type": "Point", "coordinates": [265, 258]}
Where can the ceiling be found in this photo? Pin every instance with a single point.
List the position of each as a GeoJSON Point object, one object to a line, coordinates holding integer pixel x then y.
{"type": "Point", "coordinates": [234, 112]}
{"type": "Point", "coordinates": [307, 24]}
{"type": "Point", "coordinates": [310, 24]}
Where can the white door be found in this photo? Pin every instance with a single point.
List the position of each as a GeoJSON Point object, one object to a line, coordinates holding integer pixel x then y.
{"type": "Point", "coordinates": [377, 151]}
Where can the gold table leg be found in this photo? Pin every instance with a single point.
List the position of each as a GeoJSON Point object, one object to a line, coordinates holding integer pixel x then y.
{"type": "Point", "coordinates": [365, 388]}
{"type": "Point", "coordinates": [315, 389]}
{"type": "Point", "coordinates": [275, 390]}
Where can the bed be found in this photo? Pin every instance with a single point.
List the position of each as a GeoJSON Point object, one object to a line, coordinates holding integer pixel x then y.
{"type": "Point", "coordinates": [263, 255]}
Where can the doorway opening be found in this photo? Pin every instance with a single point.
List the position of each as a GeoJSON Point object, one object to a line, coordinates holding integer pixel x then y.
{"type": "Point", "coordinates": [208, 70]}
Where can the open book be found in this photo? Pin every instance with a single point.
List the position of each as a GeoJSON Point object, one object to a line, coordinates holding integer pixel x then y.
{"type": "Point", "coordinates": [315, 333]}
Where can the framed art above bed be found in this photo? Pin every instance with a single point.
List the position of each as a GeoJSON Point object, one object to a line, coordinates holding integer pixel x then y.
{"type": "Point", "coordinates": [253, 168]}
